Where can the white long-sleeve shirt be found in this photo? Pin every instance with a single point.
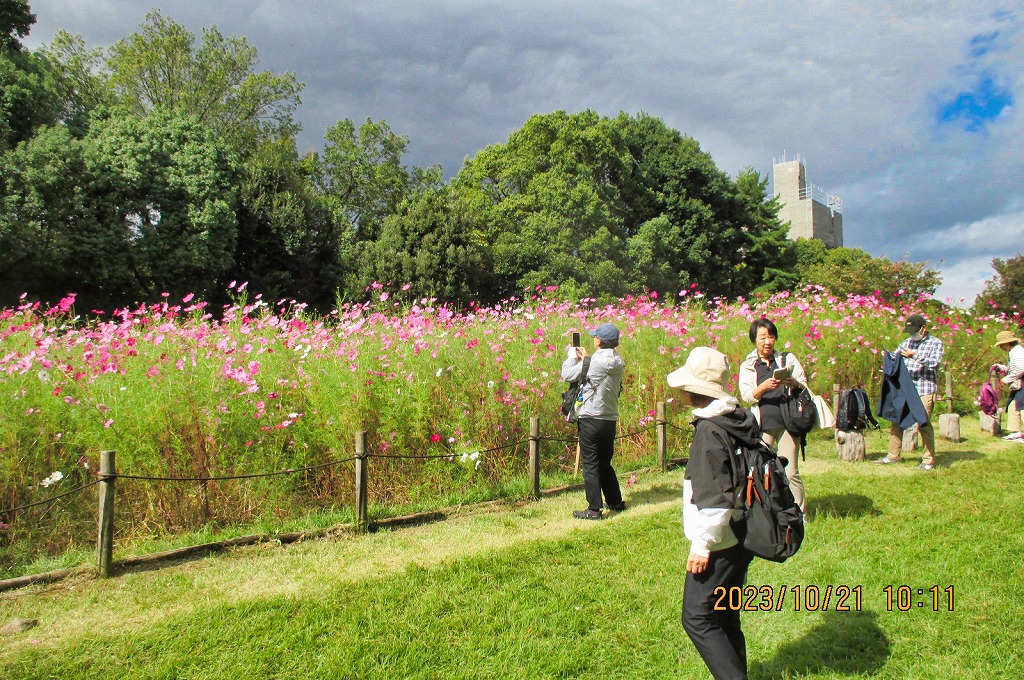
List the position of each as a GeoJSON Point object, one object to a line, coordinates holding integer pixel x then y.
{"type": "Point", "coordinates": [1014, 367]}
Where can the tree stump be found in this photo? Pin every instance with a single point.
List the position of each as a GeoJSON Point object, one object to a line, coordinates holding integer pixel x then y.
{"type": "Point", "coordinates": [991, 424]}
{"type": "Point", "coordinates": [910, 438]}
{"type": "Point", "coordinates": [949, 426]}
{"type": "Point", "coordinates": [851, 445]}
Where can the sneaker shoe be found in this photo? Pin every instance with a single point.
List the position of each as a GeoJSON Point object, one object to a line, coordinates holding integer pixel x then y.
{"type": "Point", "coordinates": [587, 514]}
{"type": "Point", "coordinates": [886, 460]}
{"type": "Point", "coordinates": [1014, 436]}
{"type": "Point", "coordinates": [925, 466]}
{"type": "Point", "coordinates": [617, 508]}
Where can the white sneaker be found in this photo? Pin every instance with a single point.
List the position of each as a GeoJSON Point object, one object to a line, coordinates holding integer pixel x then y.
{"type": "Point", "coordinates": [1014, 436]}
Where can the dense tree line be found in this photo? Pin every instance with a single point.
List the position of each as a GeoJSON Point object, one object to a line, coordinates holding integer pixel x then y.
{"type": "Point", "coordinates": [168, 163]}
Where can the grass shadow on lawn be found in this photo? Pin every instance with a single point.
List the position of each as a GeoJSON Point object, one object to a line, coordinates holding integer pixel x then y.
{"type": "Point", "coordinates": [656, 493]}
{"type": "Point", "coordinates": [842, 505]}
{"type": "Point", "coordinates": [849, 643]}
{"type": "Point", "coordinates": [947, 458]}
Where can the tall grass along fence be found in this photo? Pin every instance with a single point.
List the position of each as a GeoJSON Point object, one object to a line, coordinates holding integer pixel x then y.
{"type": "Point", "coordinates": [107, 476]}
{"type": "Point", "coordinates": [183, 393]}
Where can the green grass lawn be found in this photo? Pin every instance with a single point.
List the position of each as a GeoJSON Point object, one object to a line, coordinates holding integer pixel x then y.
{"type": "Point", "coordinates": [524, 591]}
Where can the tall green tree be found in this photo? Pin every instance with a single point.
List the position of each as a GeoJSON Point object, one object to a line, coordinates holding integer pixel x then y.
{"type": "Point", "coordinates": [136, 208]}
{"type": "Point", "coordinates": [363, 179]}
{"type": "Point", "coordinates": [26, 98]}
{"type": "Point", "coordinates": [429, 246]}
{"type": "Point", "coordinates": [851, 271]}
{"type": "Point", "coordinates": [608, 206]}
{"type": "Point", "coordinates": [26, 94]}
{"type": "Point", "coordinates": [16, 20]}
{"type": "Point", "coordinates": [73, 73]}
{"type": "Point", "coordinates": [550, 206]}
{"type": "Point", "coordinates": [1004, 292]}
{"type": "Point", "coordinates": [44, 207]}
{"type": "Point", "coordinates": [215, 81]}
{"type": "Point", "coordinates": [166, 197]}
{"type": "Point", "coordinates": [287, 241]}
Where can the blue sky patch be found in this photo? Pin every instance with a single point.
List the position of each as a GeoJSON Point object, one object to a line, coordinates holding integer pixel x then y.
{"type": "Point", "coordinates": [975, 108]}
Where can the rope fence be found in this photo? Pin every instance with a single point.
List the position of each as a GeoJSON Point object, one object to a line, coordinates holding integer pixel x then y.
{"type": "Point", "coordinates": [108, 475]}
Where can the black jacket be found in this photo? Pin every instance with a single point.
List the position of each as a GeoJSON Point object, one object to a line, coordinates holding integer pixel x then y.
{"type": "Point", "coordinates": [709, 470]}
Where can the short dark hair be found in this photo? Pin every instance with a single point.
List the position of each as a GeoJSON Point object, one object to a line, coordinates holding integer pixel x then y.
{"type": "Point", "coordinates": [766, 324]}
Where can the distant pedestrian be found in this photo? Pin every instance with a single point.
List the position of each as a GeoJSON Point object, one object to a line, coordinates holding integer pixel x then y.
{"type": "Point", "coordinates": [1013, 376]}
{"type": "Point", "coordinates": [598, 418]}
{"type": "Point", "coordinates": [717, 561]}
{"type": "Point", "coordinates": [922, 354]}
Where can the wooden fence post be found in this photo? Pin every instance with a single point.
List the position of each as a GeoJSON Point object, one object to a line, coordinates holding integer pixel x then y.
{"type": "Point", "coordinates": [105, 540]}
{"type": "Point", "coordinates": [361, 522]}
{"type": "Point", "coordinates": [949, 391]}
{"type": "Point", "coordinates": [836, 391]}
{"type": "Point", "coordinates": [659, 411]}
{"type": "Point", "coordinates": [534, 448]}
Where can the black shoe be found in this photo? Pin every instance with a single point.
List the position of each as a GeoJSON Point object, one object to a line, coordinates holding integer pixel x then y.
{"type": "Point", "coordinates": [587, 514]}
{"type": "Point", "coordinates": [617, 508]}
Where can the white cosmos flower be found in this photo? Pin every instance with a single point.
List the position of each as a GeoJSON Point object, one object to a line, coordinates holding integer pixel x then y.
{"type": "Point", "coordinates": [52, 479]}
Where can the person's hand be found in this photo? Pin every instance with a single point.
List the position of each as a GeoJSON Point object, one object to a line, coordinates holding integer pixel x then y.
{"type": "Point", "coordinates": [696, 564]}
{"type": "Point", "coordinates": [769, 384]}
{"type": "Point", "coordinates": [581, 352]}
{"type": "Point", "coordinates": [907, 353]}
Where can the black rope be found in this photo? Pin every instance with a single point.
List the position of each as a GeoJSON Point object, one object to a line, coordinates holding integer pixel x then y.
{"type": "Point", "coordinates": [414, 456]}
{"type": "Point", "coordinates": [434, 456]}
{"type": "Point", "coordinates": [635, 432]}
{"type": "Point", "coordinates": [49, 500]}
{"type": "Point", "coordinates": [558, 439]}
{"type": "Point", "coordinates": [289, 471]}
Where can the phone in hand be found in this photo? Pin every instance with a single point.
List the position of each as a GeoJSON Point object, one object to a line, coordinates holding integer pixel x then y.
{"type": "Point", "coordinates": [575, 339]}
{"type": "Point", "coordinates": [782, 373]}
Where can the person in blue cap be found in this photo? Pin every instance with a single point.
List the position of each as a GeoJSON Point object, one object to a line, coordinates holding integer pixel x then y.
{"type": "Point", "coordinates": [598, 418]}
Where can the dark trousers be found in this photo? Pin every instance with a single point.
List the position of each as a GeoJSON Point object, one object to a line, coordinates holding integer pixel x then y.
{"type": "Point", "coordinates": [597, 444]}
{"type": "Point", "coordinates": [717, 634]}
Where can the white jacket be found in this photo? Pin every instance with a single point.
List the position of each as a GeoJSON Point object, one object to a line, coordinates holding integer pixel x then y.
{"type": "Point", "coordinates": [604, 381]}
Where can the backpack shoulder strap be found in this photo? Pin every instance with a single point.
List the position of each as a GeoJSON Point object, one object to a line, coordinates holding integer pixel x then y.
{"type": "Point", "coordinates": [586, 369]}
{"type": "Point", "coordinates": [862, 398]}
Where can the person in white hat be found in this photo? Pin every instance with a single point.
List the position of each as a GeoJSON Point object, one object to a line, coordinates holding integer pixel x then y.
{"type": "Point", "coordinates": [711, 491]}
{"type": "Point", "coordinates": [1013, 377]}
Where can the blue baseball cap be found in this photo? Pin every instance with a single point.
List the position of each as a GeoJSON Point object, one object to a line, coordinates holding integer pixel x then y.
{"type": "Point", "coordinates": [607, 333]}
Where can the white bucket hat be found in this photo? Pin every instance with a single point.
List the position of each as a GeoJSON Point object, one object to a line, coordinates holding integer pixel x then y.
{"type": "Point", "coordinates": [705, 372]}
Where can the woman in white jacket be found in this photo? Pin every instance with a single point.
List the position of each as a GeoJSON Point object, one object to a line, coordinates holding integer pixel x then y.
{"type": "Point", "coordinates": [760, 389]}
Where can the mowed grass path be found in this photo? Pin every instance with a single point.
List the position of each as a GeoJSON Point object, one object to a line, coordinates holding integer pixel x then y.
{"type": "Point", "coordinates": [524, 591]}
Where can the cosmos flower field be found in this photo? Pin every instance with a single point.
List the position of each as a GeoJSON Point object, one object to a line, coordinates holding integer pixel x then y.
{"type": "Point", "coordinates": [180, 390]}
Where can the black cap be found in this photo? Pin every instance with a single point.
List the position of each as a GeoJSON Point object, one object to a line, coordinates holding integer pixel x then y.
{"type": "Point", "coordinates": [914, 323]}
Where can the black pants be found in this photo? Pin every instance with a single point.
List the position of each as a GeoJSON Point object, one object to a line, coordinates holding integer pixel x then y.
{"type": "Point", "coordinates": [597, 444]}
{"type": "Point", "coordinates": [715, 632]}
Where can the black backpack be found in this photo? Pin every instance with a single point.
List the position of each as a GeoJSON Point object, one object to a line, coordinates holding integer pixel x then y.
{"type": "Point", "coordinates": [773, 524]}
{"type": "Point", "coordinates": [854, 411]}
{"type": "Point", "coordinates": [571, 396]}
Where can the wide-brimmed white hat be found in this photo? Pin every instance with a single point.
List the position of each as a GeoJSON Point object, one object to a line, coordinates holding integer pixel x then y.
{"type": "Point", "coordinates": [705, 372]}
